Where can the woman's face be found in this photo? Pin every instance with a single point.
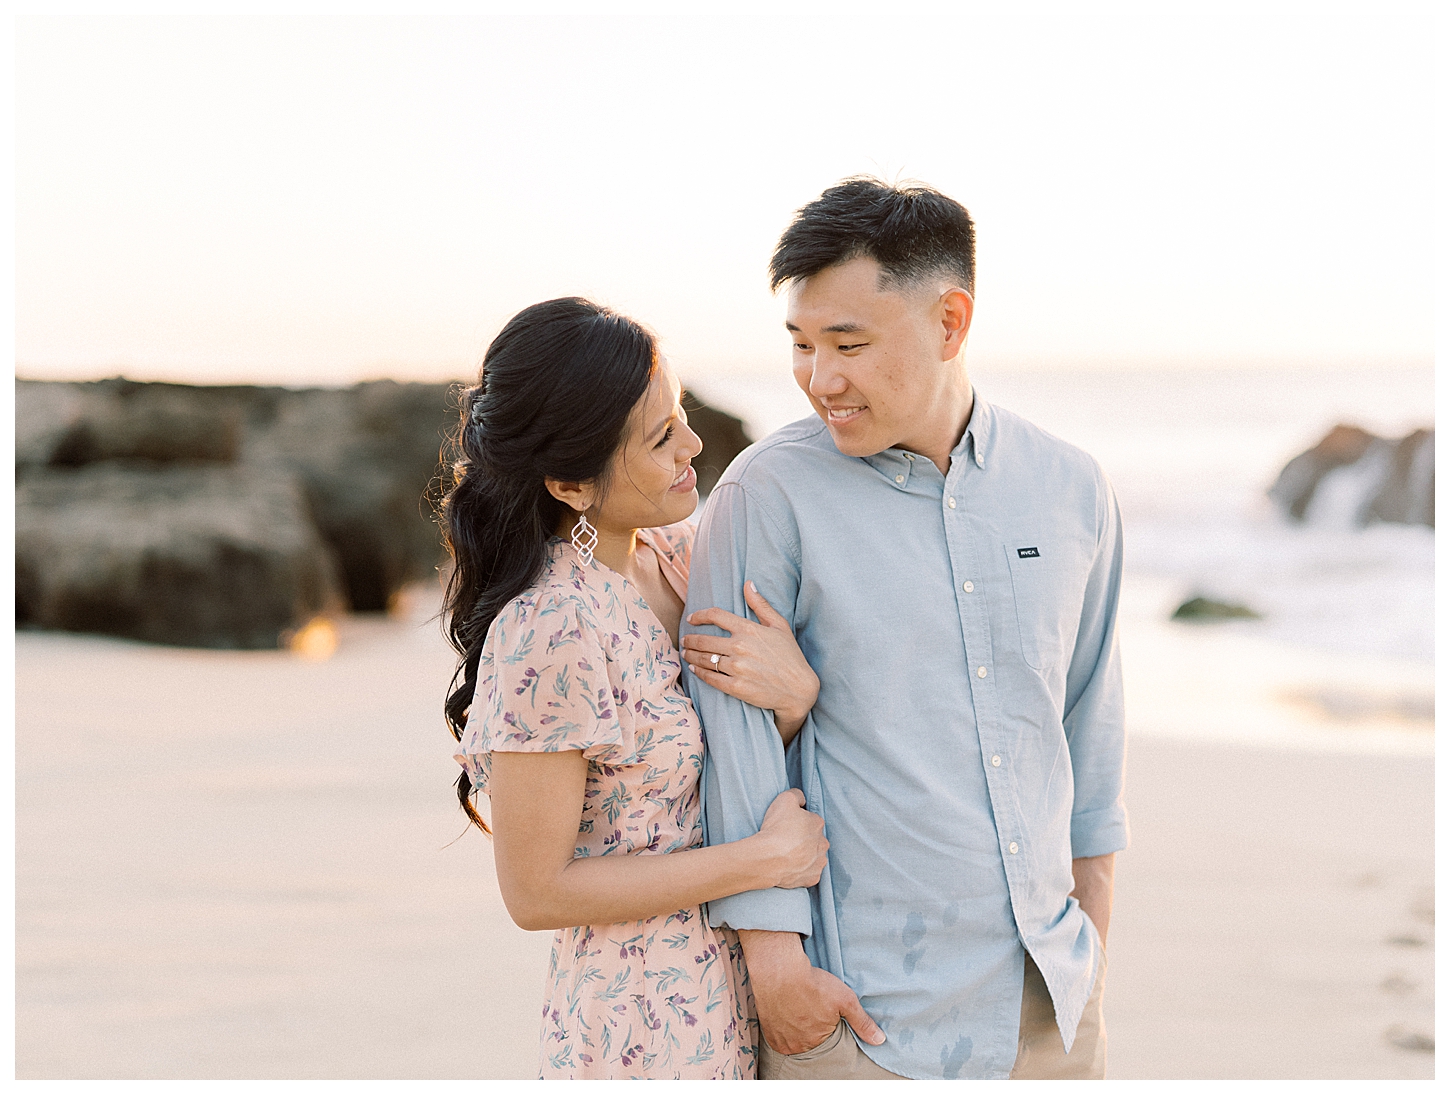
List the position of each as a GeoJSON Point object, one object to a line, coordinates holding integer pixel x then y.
{"type": "Point", "coordinates": [651, 482]}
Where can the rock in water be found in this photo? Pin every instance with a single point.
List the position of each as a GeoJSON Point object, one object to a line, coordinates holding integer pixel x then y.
{"type": "Point", "coordinates": [1353, 477]}
{"type": "Point", "coordinates": [191, 556]}
{"type": "Point", "coordinates": [1204, 608]}
{"type": "Point", "coordinates": [1407, 493]}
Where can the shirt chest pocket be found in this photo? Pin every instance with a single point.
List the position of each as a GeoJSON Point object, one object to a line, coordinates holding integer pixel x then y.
{"type": "Point", "coordinates": [1048, 580]}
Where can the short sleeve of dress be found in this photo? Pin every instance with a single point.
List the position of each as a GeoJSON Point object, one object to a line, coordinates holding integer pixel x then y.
{"type": "Point", "coordinates": [544, 686]}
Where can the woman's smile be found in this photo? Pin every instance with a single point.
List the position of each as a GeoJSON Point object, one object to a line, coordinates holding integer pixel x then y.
{"type": "Point", "coordinates": [685, 481]}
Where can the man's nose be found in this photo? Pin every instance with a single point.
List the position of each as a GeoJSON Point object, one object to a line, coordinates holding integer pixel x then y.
{"type": "Point", "coordinates": [826, 378]}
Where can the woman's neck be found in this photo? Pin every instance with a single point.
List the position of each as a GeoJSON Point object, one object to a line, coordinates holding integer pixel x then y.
{"type": "Point", "coordinates": [617, 550]}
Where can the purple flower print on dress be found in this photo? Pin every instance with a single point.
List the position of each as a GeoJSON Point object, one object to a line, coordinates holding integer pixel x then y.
{"type": "Point", "coordinates": [707, 959]}
{"type": "Point", "coordinates": [647, 1014]}
{"type": "Point", "coordinates": [619, 682]}
{"type": "Point", "coordinates": [563, 637]}
{"type": "Point", "coordinates": [581, 948]}
{"type": "Point", "coordinates": [521, 732]}
{"type": "Point", "coordinates": [599, 704]}
{"type": "Point", "coordinates": [530, 685]}
{"type": "Point", "coordinates": [630, 947]}
{"type": "Point", "coordinates": [677, 1004]}
{"type": "Point", "coordinates": [628, 1056]}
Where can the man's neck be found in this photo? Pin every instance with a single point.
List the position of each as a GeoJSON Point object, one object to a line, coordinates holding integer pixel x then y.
{"type": "Point", "coordinates": [944, 430]}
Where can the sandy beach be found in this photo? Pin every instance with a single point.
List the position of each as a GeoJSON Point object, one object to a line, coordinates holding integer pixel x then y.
{"type": "Point", "coordinates": [249, 865]}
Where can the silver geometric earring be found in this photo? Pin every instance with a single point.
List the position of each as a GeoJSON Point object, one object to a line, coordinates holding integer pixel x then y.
{"type": "Point", "coordinates": [584, 538]}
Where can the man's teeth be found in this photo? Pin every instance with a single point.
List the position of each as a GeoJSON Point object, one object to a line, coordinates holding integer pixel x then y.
{"type": "Point", "coordinates": [843, 412]}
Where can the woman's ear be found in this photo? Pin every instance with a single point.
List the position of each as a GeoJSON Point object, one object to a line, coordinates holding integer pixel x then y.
{"type": "Point", "coordinates": [577, 496]}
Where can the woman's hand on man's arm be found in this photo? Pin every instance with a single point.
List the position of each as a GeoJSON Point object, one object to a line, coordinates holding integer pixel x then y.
{"type": "Point", "coordinates": [760, 663]}
{"type": "Point", "coordinates": [536, 803]}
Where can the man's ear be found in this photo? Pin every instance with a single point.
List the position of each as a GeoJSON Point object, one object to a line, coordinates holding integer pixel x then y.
{"type": "Point", "coordinates": [955, 306]}
{"type": "Point", "coordinates": [577, 496]}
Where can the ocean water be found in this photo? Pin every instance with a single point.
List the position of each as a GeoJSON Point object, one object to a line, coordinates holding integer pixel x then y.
{"type": "Point", "coordinates": [1343, 657]}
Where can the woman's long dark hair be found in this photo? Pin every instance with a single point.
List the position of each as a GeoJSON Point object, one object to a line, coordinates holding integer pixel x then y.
{"type": "Point", "coordinates": [552, 400]}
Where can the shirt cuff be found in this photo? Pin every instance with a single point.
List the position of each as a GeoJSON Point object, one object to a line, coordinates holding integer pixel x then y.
{"type": "Point", "coordinates": [1099, 832]}
{"type": "Point", "coordinates": [763, 910]}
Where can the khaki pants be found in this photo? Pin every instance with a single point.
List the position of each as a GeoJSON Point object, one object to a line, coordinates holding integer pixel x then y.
{"type": "Point", "coordinates": [1039, 1045]}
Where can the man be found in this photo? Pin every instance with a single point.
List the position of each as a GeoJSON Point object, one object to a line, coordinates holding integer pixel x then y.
{"type": "Point", "coordinates": [951, 572]}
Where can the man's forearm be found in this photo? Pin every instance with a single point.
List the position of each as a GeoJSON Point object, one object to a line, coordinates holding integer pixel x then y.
{"type": "Point", "coordinates": [771, 951]}
{"type": "Point", "coordinates": [1092, 878]}
{"type": "Point", "coordinates": [798, 1005]}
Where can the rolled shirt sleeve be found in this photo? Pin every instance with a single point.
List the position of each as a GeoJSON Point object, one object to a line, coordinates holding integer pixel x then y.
{"type": "Point", "coordinates": [745, 766]}
{"type": "Point", "coordinates": [1093, 717]}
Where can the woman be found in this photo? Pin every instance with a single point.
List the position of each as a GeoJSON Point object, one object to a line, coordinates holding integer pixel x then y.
{"type": "Point", "coordinates": [565, 523]}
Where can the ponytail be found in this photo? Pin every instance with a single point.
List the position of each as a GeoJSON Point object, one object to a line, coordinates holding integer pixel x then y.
{"type": "Point", "coordinates": [552, 401]}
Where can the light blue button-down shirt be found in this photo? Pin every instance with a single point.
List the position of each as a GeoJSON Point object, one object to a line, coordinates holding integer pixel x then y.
{"type": "Point", "coordinates": [968, 741]}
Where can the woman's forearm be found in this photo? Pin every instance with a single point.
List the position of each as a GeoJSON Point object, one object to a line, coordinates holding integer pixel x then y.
{"type": "Point", "coordinates": [536, 801]}
{"type": "Point", "coordinates": [608, 889]}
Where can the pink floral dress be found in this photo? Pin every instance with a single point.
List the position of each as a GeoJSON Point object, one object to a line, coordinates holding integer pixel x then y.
{"type": "Point", "coordinates": [579, 661]}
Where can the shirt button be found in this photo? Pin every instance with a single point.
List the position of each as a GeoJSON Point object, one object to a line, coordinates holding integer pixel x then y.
{"type": "Point", "coordinates": [951, 503]}
{"type": "Point", "coordinates": [996, 762]}
{"type": "Point", "coordinates": [910, 457]}
{"type": "Point", "coordinates": [981, 670]}
{"type": "Point", "coordinates": [967, 587]}
{"type": "Point", "coordinates": [901, 479]}
{"type": "Point", "coordinates": [1012, 847]}
{"type": "Point", "coordinates": [979, 461]}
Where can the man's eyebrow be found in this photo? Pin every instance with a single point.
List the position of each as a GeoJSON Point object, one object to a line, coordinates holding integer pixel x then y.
{"type": "Point", "coordinates": [835, 328]}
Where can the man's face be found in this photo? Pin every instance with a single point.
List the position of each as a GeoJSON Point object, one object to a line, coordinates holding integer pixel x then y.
{"type": "Point", "coordinates": [869, 359]}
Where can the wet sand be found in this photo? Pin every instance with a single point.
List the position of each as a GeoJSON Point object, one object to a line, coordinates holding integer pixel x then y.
{"type": "Point", "coordinates": [244, 865]}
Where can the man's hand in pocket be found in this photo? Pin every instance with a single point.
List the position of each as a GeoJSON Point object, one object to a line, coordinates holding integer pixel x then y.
{"type": "Point", "coordinates": [798, 1005]}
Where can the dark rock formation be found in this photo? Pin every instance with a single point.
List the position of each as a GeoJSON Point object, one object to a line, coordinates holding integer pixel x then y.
{"type": "Point", "coordinates": [723, 436]}
{"type": "Point", "coordinates": [1204, 608]}
{"type": "Point", "coordinates": [1354, 477]}
{"type": "Point", "coordinates": [365, 457]}
{"type": "Point", "coordinates": [368, 458]}
{"type": "Point", "coordinates": [292, 500]}
{"type": "Point", "coordinates": [189, 555]}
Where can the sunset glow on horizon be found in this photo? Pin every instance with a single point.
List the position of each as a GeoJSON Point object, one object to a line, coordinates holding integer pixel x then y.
{"type": "Point", "coordinates": [321, 199]}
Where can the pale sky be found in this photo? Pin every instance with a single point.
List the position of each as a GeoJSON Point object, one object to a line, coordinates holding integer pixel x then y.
{"type": "Point", "coordinates": [325, 198]}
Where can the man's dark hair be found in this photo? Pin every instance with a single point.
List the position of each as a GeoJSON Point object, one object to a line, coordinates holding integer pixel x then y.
{"type": "Point", "coordinates": [910, 229]}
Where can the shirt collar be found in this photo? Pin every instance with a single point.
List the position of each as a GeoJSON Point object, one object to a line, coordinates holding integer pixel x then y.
{"type": "Point", "coordinates": [974, 447]}
{"type": "Point", "coordinates": [976, 440]}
